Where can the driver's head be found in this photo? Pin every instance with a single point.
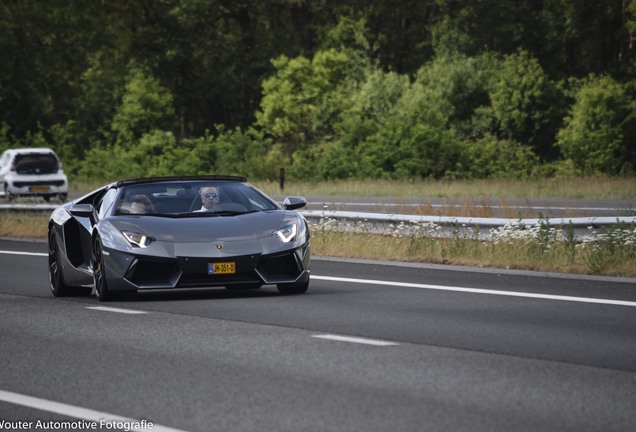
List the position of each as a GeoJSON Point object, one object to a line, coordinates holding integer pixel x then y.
{"type": "Point", "coordinates": [209, 196]}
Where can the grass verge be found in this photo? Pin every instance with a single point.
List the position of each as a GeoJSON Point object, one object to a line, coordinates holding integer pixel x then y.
{"type": "Point", "coordinates": [610, 252]}
{"type": "Point", "coordinates": [24, 225]}
{"type": "Point", "coordinates": [548, 188]}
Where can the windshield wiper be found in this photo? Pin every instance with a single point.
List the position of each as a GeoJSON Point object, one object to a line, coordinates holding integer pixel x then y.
{"type": "Point", "coordinates": [230, 212]}
{"type": "Point", "coordinates": [219, 213]}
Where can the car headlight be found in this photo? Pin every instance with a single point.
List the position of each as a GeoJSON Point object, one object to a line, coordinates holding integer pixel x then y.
{"type": "Point", "coordinates": [137, 239]}
{"type": "Point", "coordinates": [287, 233]}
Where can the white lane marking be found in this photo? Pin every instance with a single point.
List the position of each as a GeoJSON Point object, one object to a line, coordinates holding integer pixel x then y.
{"type": "Point", "coordinates": [479, 291]}
{"type": "Point", "coordinates": [23, 253]}
{"type": "Point", "coordinates": [101, 420]}
{"type": "Point", "coordinates": [365, 341]}
{"type": "Point", "coordinates": [116, 310]}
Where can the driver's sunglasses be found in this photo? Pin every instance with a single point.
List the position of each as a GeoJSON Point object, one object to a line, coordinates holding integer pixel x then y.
{"type": "Point", "coordinates": [210, 195]}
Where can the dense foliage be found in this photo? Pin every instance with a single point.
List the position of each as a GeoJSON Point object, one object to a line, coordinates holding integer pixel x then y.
{"type": "Point", "coordinates": [331, 89]}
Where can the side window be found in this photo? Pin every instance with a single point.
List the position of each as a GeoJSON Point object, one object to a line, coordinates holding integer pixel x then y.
{"type": "Point", "coordinates": [106, 203]}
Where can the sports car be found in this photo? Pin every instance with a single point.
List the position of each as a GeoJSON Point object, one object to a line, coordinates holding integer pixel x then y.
{"type": "Point", "coordinates": [177, 232]}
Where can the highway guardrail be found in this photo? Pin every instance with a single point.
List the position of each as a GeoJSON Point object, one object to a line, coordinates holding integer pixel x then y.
{"type": "Point", "coordinates": [384, 223]}
{"type": "Point", "coordinates": [468, 227]}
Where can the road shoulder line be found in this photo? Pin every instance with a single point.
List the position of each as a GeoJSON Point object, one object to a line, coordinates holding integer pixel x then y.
{"type": "Point", "coordinates": [479, 291]}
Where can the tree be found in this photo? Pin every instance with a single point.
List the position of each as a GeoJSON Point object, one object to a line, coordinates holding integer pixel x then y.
{"type": "Point", "coordinates": [598, 134]}
{"type": "Point", "coordinates": [145, 106]}
{"type": "Point", "coordinates": [464, 82]}
{"type": "Point", "coordinates": [526, 104]}
{"type": "Point", "coordinates": [305, 99]}
{"type": "Point", "coordinates": [585, 37]}
{"type": "Point", "coordinates": [44, 47]}
{"type": "Point", "coordinates": [398, 32]}
{"type": "Point", "coordinates": [476, 27]}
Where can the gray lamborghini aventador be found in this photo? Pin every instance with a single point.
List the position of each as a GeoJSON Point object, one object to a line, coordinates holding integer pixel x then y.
{"type": "Point", "coordinates": [177, 232]}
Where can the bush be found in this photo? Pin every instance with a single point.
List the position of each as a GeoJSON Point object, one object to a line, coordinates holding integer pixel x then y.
{"type": "Point", "coordinates": [145, 106]}
{"type": "Point", "coordinates": [599, 132]}
{"type": "Point", "coordinates": [304, 100]}
{"type": "Point", "coordinates": [490, 157]}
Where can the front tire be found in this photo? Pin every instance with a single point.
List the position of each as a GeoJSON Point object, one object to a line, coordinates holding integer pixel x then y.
{"type": "Point", "coordinates": [58, 288]}
{"type": "Point", "coordinates": [99, 275]}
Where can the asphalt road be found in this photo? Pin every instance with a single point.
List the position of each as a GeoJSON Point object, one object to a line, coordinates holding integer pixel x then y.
{"type": "Point", "coordinates": [371, 347]}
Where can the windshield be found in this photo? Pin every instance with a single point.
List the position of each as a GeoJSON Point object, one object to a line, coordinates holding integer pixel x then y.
{"type": "Point", "coordinates": [192, 199]}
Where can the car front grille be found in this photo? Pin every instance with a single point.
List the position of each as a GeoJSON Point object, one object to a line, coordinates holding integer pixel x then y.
{"type": "Point", "coordinates": [144, 271]}
{"type": "Point", "coordinates": [192, 272]}
{"type": "Point", "coordinates": [280, 265]}
{"type": "Point", "coordinates": [194, 281]}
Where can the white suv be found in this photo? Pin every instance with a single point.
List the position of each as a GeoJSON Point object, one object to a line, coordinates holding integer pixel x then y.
{"type": "Point", "coordinates": [32, 172]}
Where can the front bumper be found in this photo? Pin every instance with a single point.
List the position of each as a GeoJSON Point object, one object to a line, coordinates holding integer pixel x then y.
{"type": "Point", "coordinates": [128, 272]}
{"type": "Point", "coordinates": [36, 187]}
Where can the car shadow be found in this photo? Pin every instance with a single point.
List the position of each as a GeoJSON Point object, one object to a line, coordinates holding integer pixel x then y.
{"type": "Point", "coordinates": [200, 294]}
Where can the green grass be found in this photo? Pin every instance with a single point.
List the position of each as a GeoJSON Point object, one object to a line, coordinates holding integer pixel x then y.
{"type": "Point", "coordinates": [24, 225]}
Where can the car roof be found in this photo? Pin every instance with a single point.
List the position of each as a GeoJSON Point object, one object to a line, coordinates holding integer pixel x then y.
{"type": "Point", "coordinates": [31, 150]}
{"type": "Point", "coordinates": [143, 180]}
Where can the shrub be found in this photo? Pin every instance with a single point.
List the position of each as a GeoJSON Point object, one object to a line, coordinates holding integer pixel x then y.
{"type": "Point", "coordinates": [598, 134]}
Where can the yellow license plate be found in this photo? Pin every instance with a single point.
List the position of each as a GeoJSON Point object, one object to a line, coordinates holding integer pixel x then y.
{"type": "Point", "coordinates": [221, 268]}
{"type": "Point", "coordinates": [39, 189]}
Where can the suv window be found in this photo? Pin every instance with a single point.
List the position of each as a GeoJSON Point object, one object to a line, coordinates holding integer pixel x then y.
{"type": "Point", "coordinates": [36, 164]}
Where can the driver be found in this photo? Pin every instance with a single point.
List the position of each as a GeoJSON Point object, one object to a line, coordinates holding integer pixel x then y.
{"type": "Point", "coordinates": [209, 197]}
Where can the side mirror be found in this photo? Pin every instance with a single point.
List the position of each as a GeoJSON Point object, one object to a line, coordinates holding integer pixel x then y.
{"type": "Point", "coordinates": [82, 210]}
{"type": "Point", "coordinates": [294, 202]}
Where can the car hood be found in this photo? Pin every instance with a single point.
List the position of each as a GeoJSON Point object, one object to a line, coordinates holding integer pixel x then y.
{"type": "Point", "coordinates": [204, 229]}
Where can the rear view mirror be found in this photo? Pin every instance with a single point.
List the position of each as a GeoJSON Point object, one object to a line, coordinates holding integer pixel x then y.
{"type": "Point", "coordinates": [82, 210]}
{"type": "Point", "coordinates": [294, 202]}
